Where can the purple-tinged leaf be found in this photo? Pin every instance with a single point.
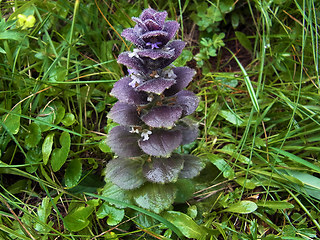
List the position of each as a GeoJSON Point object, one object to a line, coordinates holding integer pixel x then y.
{"type": "Point", "coordinates": [155, 36]}
{"type": "Point", "coordinates": [171, 27]}
{"type": "Point", "coordinates": [125, 173]}
{"type": "Point", "coordinates": [156, 53]}
{"type": "Point", "coordinates": [161, 143]}
{"type": "Point", "coordinates": [184, 77]}
{"type": "Point", "coordinates": [191, 167]}
{"type": "Point", "coordinates": [163, 170]}
{"type": "Point", "coordinates": [154, 61]}
{"type": "Point", "coordinates": [132, 35]}
{"type": "Point", "coordinates": [178, 46]}
{"type": "Point", "coordinates": [152, 25]}
{"type": "Point", "coordinates": [125, 93]}
{"type": "Point", "coordinates": [155, 197]}
{"type": "Point", "coordinates": [124, 143]}
{"type": "Point", "coordinates": [131, 60]}
{"type": "Point", "coordinates": [162, 116]}
{"type": "Point", "coordinates": [160, 17]}
{"type": "Point", "coordinates": [189, 130]}
{"type": "Point", "coordinates": [188, 101]}
{"type": "Point", "coordinates": [156, 85]}
{"type": "Point", "coordinates": [124, 114]}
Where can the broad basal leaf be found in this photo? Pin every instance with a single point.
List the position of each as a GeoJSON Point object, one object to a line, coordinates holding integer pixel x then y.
{"type": "Point", "coordinates": [114, 214]}
{"type": "Point", "coordinates": [73, 173]}
{"type": "Point", "coordinates": [111, 190]}
{"type": "Point", "coordinates": [192, 166]}
{"type": "Point", "coordinates": [59, 155]}
{"type": "Point", "coordinates": [125, 173]}
{"type": "Point", "coordinates": [123, 142]}
{"type": "Point", "coordinates": [47, 147]}
{"type": "Point", "coordinates": [12, 121]}
{"type": "Point", "coordinates": [124, 114]}
{"type": "Point", "coordinates": [43, 212]}
{"type": "Point", "coordinates": [163, 170]}
{"type": "Point", "coordinates": [33, 158]}
{"type": "Point", "coordinates": [77, 219]}
{"type": "Point", "coordinates": [161, 143]}
{"type": "Point", "coordinates": [243, 207]}
{"type": "Point", "coordinates": [34, 136]}
{"type": "Point", "coordinates": [155, 197]}
{"type": "Point", "coordinates": [185, 224]}
{"type": "Point", "coordinates": [163, 116]}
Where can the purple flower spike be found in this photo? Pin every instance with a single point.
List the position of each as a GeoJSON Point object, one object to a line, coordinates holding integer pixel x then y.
{"type": "Point", "coordinates": [151, 111]}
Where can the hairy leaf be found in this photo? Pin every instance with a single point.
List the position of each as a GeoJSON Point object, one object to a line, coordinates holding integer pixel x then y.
{"type": "Point", "coordinates": [156, 85]}
{"type": "Point", "coordinates": [123, 143]}
{"type": "Point", "coordinates": [125, 173]}
{"type": "Point", "coordinates": [163, 170]}
{"type": "Point", "coordinates": [161, 143]}
{"type": "Point", "coordinates": [192, 166]}
{"type": "Point", "coordinates": [188, 101]}
{"type": "Point", "coordinates": [163, 116]}
{"type": "Point", "coordinates": [127, 94]}
{"type": "Point", "coordinates": [155, 197]}
{"type": "Point", "coordinates": [124, 114]}
{"type": "Point", "coordinates": [184, 77]}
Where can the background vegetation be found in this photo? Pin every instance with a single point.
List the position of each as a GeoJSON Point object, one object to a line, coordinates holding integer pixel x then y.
{"type": "Point", "coordinates": [257, 66]}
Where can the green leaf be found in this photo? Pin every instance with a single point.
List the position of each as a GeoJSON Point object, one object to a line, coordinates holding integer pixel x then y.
{"type": "Point", "coordinates": [78, 218]}
{"type": "Point", "coordinates": [185, 57]}
{"type": "Point", "coordinates": [33, 158]}
{"type": "Point", "coordinates": [104, 146]}
{"type": "Point", "coordinates": [155, 197]}
{"type": "Point", "coordinates": [59, 155]}
{"type": "Point", "coordinates": [311, 183]}
{"type": "Point", "coordinates": [245, 182]}
{"type": "Point", "coordinates": [11, 35]}
{"type": "Point", "coordinates": [125, 172]}
{"type": "Point", "coordinates": [231, 117]}
{"type": "Point", "coordinates": [12, 121]}
{"type": "Point", "coordinates": [47, 147]}
{"type": "Point", "coordinates": [111, 190]}
{"type": "Point", "coordinates": [68, 119]}
{"type": "Point", "coordinates": [114, 215]}
{"type": "Point", "coordinates": [185, 190]}
{"type": "Point", "coordinates": [185, 224]}
{"type": "Point", "coordinates": [222, 165]}
{"type": "Point", "coordinates": [235, 19]}
{"type": "Point", "coordinates": [297, 159]}
{"type": "Point", "coordinates": [43, 212]}
{"type": "Point", "coordinates": [243, 207]}
{"type": "Point", "coordinates": [275, 204]}
{"type": "Point", "coordinates": [73, 173]}
{"type": "Point", "coordinates": [155, 216]}
{"type": "Point", "coordinates": [244, 41]}
{"type": "Point", "coordinates": [34, 136]}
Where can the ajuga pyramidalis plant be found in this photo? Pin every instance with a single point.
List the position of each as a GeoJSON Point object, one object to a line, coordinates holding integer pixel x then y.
{"type": "Point", "coordinates": [152, 115]}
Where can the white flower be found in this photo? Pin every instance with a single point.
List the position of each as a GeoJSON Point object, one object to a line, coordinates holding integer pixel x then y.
{"type": "Point", "coordinates": [170, 74]}
{"type": "Point", "coordinates": [150, 98]}
{"type": "Point", "coordinates": [134, 53]}
{"type": "Point", "coordinates": [134, 130]}
{"type": "Point", "coordinates": [135, 81]}
{"type": "Point", "coordinates": [145, 135]}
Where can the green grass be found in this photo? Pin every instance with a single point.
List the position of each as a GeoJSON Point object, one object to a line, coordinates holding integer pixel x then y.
{"type": "Point", "coordinates": [258, 118]}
